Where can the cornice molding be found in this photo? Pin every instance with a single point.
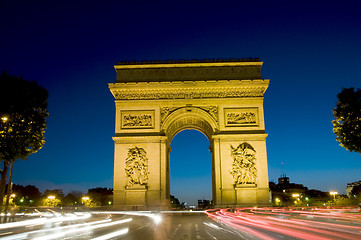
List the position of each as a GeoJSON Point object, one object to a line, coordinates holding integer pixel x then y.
{"type": "Point", "coordinates": [187, 93]}
{"type": "Point", "coordinates": [181, 65]}
{"type": "Point", "coordinates": [140, 139]}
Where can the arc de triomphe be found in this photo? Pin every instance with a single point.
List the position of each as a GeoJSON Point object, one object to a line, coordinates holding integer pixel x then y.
{"type": "Point", "coordinates": [222, 99]}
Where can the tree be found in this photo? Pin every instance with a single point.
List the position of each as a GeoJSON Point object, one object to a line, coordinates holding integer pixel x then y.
{"type": "Point", "coordinates": [72, 198]}
{"type": "Point", "coordinates": [57, 193]}
{"type": "Point", "coordinates": [101, 195]}
{"type": "Point", "coordinates": [347, 125]}
{"type": "Point", "coordinates": [26, 195]}
{"type": "Point", "coordinates": [23, 113]}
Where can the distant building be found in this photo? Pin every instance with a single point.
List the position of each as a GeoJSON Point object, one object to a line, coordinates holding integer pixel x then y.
{"type": "Point", "coordinates": [203, 204]}
{"type": "Point", "coordinates": [350, 187]}
{"type": "Point", "coordinates": [283, 179]}
{"type": "Point", "coordinates": [286, 193]}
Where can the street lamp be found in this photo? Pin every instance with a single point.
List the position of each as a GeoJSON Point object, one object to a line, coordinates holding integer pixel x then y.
{"type": "Point", "coordinates": [51, 197]}
{"type": "Point", "coordinates": [295, 195]}
{"type": "Point", "coordinates": [4, 118]}
{"type": "Point", "coordinates": [334, 194]}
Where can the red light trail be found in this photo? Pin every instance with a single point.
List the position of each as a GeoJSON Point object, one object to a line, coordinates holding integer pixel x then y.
{"type": "Point", "coordinates": [313, 223]}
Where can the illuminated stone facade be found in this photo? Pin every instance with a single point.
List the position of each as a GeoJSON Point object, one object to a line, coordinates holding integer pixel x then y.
{"type": "Point", "coordinates": [222, 99]}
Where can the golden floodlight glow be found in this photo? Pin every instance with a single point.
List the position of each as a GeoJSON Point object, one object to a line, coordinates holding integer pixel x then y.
{"type": "Point", "coordinates": [85, 198]}
{"type": "Point", "coordinates": [51, 197]}
{"type": "Point", "coordinates": [295, 195]}
{"type": "Point", "coordinates": [4, 119]}
{"type": "Point", "coordinates": [333, 193]}
{"type": "Point", "coordinates": [12, 195]}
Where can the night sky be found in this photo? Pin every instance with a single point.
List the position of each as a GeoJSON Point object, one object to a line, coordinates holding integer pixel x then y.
{"type": "Point", "coordinates": [310, 50]}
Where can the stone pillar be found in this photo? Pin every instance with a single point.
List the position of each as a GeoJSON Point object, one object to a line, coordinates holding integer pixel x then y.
{"type": "Point", "coordinates": [242, 175]}
{"type": "Point", "coordinates": [140, 172]}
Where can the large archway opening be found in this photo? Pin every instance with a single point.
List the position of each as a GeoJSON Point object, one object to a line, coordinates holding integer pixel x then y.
{"type": "Point", "coordinates": [190, 167]}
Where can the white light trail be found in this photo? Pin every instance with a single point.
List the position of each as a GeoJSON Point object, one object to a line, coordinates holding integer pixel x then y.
{"type": "Point", "coordinates": [25, 235]}
{"type": "Point", "coordinates": [157, 218]}
{"type": "Point", "coordinates": [62, 234]}
{"type": "Point", "coordinates": [211, 225]}
{"type": "Point", "coordinates": [15, 237]}
{"type": "Point", "coordinates": [112, 235]}
{"type": "Point", "coordinates": [40, 221]}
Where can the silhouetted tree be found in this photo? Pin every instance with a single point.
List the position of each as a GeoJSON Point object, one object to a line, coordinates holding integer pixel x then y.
{"type": "Point", "coordinates": [101, 195]}
{"type": "Point", "coordinates": [347, 125]}
{"type": "Point", "coordinates": [72, 198]}
{"type": "Point", "coordinates": [356, 191]}
{"type": "Point", "coordinates": [23, 113]}
{"type": "Point", "coordinates": [58, 193]}
{"type": "Point", "coordinates": [26, 195]}
{"type": "Point", "coordinates": [174, 202]}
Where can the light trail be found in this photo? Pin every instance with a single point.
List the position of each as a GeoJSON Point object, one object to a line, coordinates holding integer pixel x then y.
{"type": "Point", "coordinates": [83, 229]}
{"type": "Point", "coordinates": [112, 235]}
{"type": "Point", "coordinates": [289, 222]}
{"type": "Point", "coordinates": [43, 220]}
{"type": "Point", "coordinates": [24, 235]}
{"type": "Point", "coordinates": [157, 218]}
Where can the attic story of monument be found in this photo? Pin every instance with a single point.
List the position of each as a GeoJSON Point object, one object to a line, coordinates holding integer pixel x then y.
{"type": "Point", "coordinates": [222, 99]}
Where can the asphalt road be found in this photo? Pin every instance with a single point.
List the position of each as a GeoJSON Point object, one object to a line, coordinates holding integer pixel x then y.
{"type": "Point", "coordinates": [241, 224]}
{"type": "Point", "coordinates": [170, 226]}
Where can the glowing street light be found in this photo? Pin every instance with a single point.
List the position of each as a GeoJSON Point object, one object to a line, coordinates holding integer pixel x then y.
{"type": "Point", "coordinates": [51, 197]}
{"type": "Point", "coordinates": [296, 195]}
{"type": "Point", "coordinates": [334, 194]}
{"type": "Point", "coordinates": [4, 118]}
{"type": "Point", "coordinates": [12, 195]}
{"type": "Point", "coordinates": [85, 198]}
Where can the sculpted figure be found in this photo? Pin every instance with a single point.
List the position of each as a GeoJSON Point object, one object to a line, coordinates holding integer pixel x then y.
{"type": "Point", "coordinates": [136, 167]}
{"type": "Point", "coordinates": [244, 164]}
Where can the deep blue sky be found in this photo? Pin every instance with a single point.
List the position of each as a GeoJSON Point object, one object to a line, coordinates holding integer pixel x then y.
{"type": "Point", "coordinates": [310, 50]}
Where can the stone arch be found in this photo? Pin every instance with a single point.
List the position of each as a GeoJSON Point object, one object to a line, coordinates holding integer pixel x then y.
{"type": "Point", "coordinates": [156, 100]}
{"type": "Point", "coordinates": [189, 118]}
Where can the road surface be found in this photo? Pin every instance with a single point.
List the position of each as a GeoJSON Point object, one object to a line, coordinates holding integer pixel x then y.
{"type": "Point", "coordinates": [214, 225]}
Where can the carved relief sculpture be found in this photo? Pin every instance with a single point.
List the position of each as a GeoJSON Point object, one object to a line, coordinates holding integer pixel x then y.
{"type": "Point", "coordinates": [136, 168]}
{"type": "Point", "coordinates": [137, 120]}
{"type": "Point", "coordinates": [187, 93]}
{"type": "Point", "coordinates": [241, 118]}
{"type": "Point", "coordinates": [244, 164]}
{"type": "Point", "coordinates": [134, 119]}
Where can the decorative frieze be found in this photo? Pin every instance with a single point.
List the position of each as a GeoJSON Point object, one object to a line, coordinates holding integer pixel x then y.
{"type": "Point", "coordinates": [136, 168]}
{"type": "Point", "coordinates": [187, 93]}
{"type": "Point", "coordinates": [244, 169]}
{"type": "Point", "coordinates": [137, 119]}
{"type": "Point", "coordinates": [241, 117]}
